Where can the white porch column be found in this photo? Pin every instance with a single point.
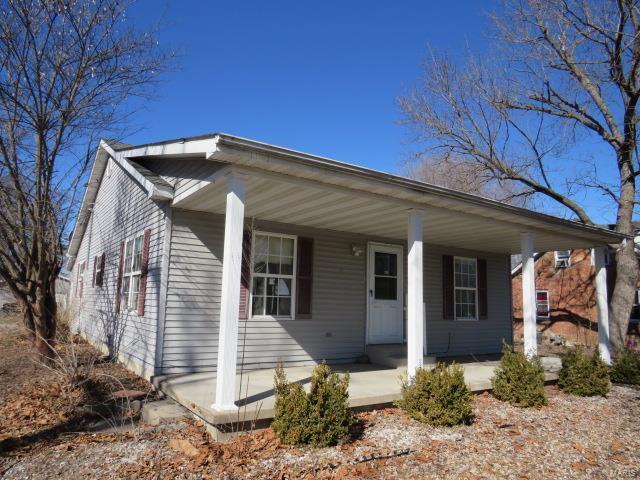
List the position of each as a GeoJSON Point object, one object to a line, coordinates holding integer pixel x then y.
{"type": "Point", "coordinates": [603, 304]}
{"type": "Point", "coordinates": [415, 310]}
{"type": "Point", "coordinates": [230, 295]}
{"type": "Point", "coordinates": [529, 313]}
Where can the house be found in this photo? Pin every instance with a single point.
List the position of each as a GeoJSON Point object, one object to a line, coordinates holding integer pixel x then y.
{"type": "Point", "coordinates": [222, 254]}
{"type": "Point", "coordinates": [566, 307]}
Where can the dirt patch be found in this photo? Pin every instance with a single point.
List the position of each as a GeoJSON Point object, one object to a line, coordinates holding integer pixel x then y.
{"type": "Point", "coordinates": [39, 403]}
{"type": "Point", "coordinates": [572, 437]}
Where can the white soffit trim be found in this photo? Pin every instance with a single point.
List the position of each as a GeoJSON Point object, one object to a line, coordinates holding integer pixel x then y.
{"type": "Point", "coordinates": [320, 170]}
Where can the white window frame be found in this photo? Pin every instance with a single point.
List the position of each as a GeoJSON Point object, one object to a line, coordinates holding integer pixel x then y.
{"type": "Point", "coordinates": [126, 306]}
{"type": "Point", "coordinates": [548, 304]}
{"type": "Point", "coordinates": [292, 316]}
{"type": "Point", "coordinates": [557, 259]}
{"type": "Point", "coordinates": [455, 287]}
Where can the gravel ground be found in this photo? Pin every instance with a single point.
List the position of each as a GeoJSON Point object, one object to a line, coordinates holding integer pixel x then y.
{"type": "Point", "coordinates": [572, 437]}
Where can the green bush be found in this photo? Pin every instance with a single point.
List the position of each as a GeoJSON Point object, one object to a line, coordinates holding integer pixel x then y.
{"type": "Point", "coordinates": [519, 380]}
{"type": "Point", "coordinates": [626, 368]}
{"type": "Point", "coordinates": [320, 418]}
{"type": "Point", "coordinates": [583, 375]}
{"type": "Point", "coordinates": [438, 397]}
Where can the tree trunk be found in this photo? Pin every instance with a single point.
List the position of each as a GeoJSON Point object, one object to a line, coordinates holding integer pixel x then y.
{"type": "Point", "coordinates": [626, 259]}
{"type": "Point", "coordinates": [623, 295]}
{"type": "Point", "coordinates": [39, 316]}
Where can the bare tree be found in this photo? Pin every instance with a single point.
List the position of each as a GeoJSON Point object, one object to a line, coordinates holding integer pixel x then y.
{"type": "Point", "coordinates": [465, 176]}
{"type": "Point", "coordinates": [69, 70]}
{"type": "Point", "coordinates": [554, 112]}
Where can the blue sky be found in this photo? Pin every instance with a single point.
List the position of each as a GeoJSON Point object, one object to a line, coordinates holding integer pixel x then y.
{"type": "Point", "coordinates": [320, 77]}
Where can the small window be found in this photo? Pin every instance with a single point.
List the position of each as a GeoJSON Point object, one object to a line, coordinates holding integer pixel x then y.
{"type": "Point", "coordinates": [563, 258]}
{"type": "Point", "coordinates": [80, 279]}
{"type": "Point", "coordinates": [466, 288]}
{"type": "Point", "coordinates": [273, 275]}
{"type": "Point", "coordinates": [132, 272]}
{"type": "Point", "coordinates": [386, 276]}
{"type": "Point", "coordinates": [99, 276]}
{"type": "Point", "coordinates": [542, 303]}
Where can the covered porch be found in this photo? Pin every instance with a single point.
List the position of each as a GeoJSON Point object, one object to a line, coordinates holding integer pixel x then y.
{"type": "Point", "coordinates": [290, 193]}
{"type": "Point", "coordinates": [370, 386]}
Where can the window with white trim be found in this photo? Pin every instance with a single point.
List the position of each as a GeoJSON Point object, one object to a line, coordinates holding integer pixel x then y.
{"type": "Point", "coordinates": [273, 275]}
{"type": "Point", "coordinates": [465, 275]}
{"type": "Point", "coordinates": [131, 273]}
{"type": "Point", "coordinates": [563, 258]}
{"type": "Point", "coordinates": [542, 303]}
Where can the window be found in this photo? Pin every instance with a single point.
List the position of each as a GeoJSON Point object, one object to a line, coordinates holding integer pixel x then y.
{"type": "Point", "coordinates": [542, 303]}
{"type": "Point", "coordinates": [607, 257]}
{"type": "Point", "coordinates": [80, 279]}
{"type": "Point", "coordinates": [466, 289]}
{"type": "Point", "coordinates": [98, 276]}
{"type": "Point", "coordinates": [386, 276]}
{"type": "Point", "coordinates": [563, 258]}
{"type": "Point", "coordinates": [131, 273]}
{"type": "Point", "coordinates": [273, 275]}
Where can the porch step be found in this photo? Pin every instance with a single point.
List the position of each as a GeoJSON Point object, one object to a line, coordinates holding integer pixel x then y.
{"type": "Point", "coordinates": [394, 356]}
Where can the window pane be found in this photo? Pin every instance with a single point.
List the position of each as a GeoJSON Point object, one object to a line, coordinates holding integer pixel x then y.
{"type": "Point", "coordinates": [273, 267]}
{"type": "Point", "coordinates": [262, 244]}
{"type": "Point", "coordinates": [128, 256]}
{"type": "Point", "coordinates": [274, 245]}
{"type": "Point", "coordinates": [465, 273]}
{"type": "Point", "coordinates": [272, 286]}
{"type": "Point", "coordinates": [260, 264]}
{"type": "Point", "coordinates": [258, 286]}
{"type": "Point", "coordinates": [137, 257]}
{"type": "Point", "coordinates": [257, 307]}
{"type": "Point", "coordinates": [272, 306]}
{"type": "Point", "coordinates": [287, 247]}
{"type": "Point", "coordinates": [284, 287]}
{"type": "Point", "coordinates": [541, 296]}
{"type": "Point", "coordinates": [135, 289]}
{"type": "Point", "coordinates": [284, 307]}
{"type": "Point", "coordinates": [124, 293]}
{"type": "Point", "coordinates": [286, 266]}
{"type": "Point", "coordinates": [386, 288]}
{"type": "Point", "coordinates": [386, 264]}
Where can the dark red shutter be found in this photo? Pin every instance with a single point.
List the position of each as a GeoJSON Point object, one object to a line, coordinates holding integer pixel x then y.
{"type": "Point", "coordinates": [482, 289]}
{"type": "Point", "coordinates": [304, 278]}
{"type": "Point", "coordinates": [245, 276]}
{"type": "Point", "coordinates": [100, 280]}
{"type": "Point", "coordinates": [93, 277]}
{"type": "Point", "coordinates": [119, 282]}
{"type": "Point", "coordinates": [144, 272]}
{"type": "Point", "coordinates": [448, 301]}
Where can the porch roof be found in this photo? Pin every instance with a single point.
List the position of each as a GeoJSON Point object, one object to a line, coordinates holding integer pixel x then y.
{"type": "Point", "coordinates": [288, 186]}
{"type": "Point", "coordinates": [293, 187]}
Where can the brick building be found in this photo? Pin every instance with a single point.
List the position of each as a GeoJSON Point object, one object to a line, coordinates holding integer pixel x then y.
{"type": "Point", "coordinates": [565, 297]}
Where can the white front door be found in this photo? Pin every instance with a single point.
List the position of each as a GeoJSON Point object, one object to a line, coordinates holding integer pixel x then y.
{"type": "Point", "coordinates": [385, 294]}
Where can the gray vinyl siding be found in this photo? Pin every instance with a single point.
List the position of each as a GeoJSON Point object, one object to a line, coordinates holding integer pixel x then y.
{"type": "Point", "coordinates": [336, 331]}
{"type": "Point", "coordinates": [122, 210]}
{"type": "Point", "coordinates": [457, 337]}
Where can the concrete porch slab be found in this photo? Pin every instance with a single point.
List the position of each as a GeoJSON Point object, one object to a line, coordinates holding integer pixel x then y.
{"type": "Point", "coordinates": [370, 386]}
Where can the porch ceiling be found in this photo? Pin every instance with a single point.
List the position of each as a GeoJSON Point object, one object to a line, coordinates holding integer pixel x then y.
{"type": "Point", "coordinates": [281, 198]}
